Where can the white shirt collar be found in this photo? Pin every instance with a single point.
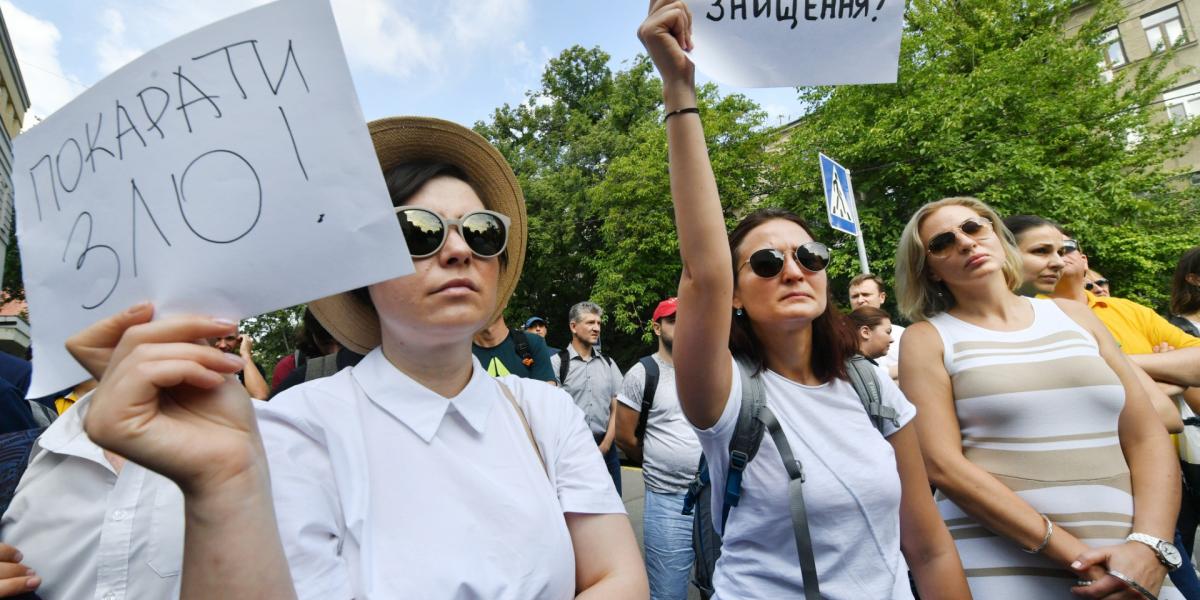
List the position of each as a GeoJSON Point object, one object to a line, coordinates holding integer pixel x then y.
{"type": "Point", "coordinates": [66, 435]}
{"type": "Point", "coordinates": [417, 407]}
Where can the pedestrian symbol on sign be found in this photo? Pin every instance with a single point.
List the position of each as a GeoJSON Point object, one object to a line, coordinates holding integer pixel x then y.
{"type": "Point", "coordinates": [838, 206]}
{"type": "Point", "coordinates": [839, 196]}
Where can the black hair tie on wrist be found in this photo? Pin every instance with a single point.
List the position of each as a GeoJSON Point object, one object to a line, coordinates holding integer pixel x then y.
{"type": "Point", "coordinates": [680, 111]}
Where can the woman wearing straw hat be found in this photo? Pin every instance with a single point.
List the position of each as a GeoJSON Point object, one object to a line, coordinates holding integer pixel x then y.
{"type": "Point", "coordinates": [413, 474]}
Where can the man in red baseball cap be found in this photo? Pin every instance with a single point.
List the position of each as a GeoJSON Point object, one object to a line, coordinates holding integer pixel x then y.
{"type": "Point", "coordinates": [651, 428]}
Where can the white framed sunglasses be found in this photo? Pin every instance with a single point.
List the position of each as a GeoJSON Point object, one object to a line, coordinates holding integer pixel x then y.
{"type": "Point", "coordinates": [485, 231]}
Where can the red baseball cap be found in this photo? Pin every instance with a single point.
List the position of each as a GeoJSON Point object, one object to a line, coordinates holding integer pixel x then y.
{"type": "Point", "coordinates": [665, 308]}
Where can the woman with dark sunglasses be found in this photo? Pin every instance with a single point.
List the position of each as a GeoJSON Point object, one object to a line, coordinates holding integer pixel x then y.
{"type": "Point", "coordinates": [413, 474]}
{"type": "Point", "coordinates": [1034, 427]}
{"type": "Point", "coordinates": [1097, 284]}
{"type": "Point", "coordinates": [867, 497]}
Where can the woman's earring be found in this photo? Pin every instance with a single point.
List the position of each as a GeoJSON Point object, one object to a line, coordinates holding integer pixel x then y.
{"type": "Point", "coordinates": [738, 312]}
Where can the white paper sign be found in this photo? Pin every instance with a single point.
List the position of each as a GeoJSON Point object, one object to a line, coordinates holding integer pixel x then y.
{"type": "Point", "coordinates": [228, 172]}
{"type": "Point", "coordinates": [784, 43]}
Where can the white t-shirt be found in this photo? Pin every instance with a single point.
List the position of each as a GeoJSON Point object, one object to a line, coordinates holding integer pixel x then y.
{"type": "Point", "coordinates": [385, 489]}
{"type": "Point", "coordinates": [851, 491]}
{"type": "Point", "coordinates": [670, 450]}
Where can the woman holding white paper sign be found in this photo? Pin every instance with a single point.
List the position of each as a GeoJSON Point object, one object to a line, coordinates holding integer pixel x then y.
{"type": "Point", "coordinates": [759, 295]}
{"type": "Point", "coordinates": [415, 474]}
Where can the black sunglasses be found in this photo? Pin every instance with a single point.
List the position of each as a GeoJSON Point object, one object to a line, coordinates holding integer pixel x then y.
{"type": "Point", "coordinates": [485, 232]}
{"type": "Point", "coordinates": [1091, 285]}
{"type": "Point", "coordinates": [768, 262]}
{"type": "Point", "coordinates": [1069, 246]}
{"type": "Point", "coordinates": [975, 227]}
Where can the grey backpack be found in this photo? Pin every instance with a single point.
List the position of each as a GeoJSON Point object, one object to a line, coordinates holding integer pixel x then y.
{"type": "Point", "coordinates": [755, 418]}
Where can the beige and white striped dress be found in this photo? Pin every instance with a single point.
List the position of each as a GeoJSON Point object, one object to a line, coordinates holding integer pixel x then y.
{"type": "Point", "coordinates": [1038, 409]}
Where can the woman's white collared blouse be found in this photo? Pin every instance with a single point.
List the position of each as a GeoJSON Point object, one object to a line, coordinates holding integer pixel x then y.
{"type": "Point", "coordinates": [385, 489]}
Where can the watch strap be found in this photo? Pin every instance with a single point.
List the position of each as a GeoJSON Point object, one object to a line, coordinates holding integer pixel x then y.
{"type": "Point", "coordinates": [1153, 543]}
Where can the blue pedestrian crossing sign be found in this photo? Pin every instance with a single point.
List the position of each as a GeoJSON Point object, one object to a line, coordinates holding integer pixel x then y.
{"type": "Point", "coordinates": [839, 196]}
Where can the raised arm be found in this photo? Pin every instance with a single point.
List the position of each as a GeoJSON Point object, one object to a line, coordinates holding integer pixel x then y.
{"type": "Point", "coordinates": [706, 287]}
{"type": "Point", "coordinates": [172, 406]}
{"type": "Point", "coordinates": [252, 378]}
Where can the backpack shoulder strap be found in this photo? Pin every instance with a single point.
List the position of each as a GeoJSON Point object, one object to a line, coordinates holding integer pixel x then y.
{"type": "Point", "coordinates": [865, 381]}
{"type": "Point", "coordinates": [795, 471]}
{"type": "Point", "coordinates": [564, 363]}
{"type": "Point", "coordinates": [648, 390]}
{"type": "Point", "coordinates": [747, 435]}
{"type": "Point", "coordinates": [521, 345]}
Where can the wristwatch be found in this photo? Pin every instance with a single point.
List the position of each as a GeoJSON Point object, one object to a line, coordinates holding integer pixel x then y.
{"type": "Point", "coordinates": [1166, 551]}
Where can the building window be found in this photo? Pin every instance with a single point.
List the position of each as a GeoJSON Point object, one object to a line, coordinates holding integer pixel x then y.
{"type": "Point", "coordinates": [1164, 28]}
{"type": "Point", "coordinates": [1183, 103]}
{"type": "Point", "coordinates": [1114, 52]}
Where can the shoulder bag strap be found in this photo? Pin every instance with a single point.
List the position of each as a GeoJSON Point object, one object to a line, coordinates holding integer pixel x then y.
{"type": "Point", "coordinates": [747, 435]}
{"type": "Point", "coordinates": [648, 390]}
{"type": "Point", "coordinates": [524, 422]}
{"type": "Point", "coordinates": [564, 363]}
{"type": "Point", "coordinates": [795, 471]}
{"type": "Point", "coordinates": [865, 382]}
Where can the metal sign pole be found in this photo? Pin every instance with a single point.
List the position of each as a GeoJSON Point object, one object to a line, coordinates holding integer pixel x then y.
{"type": "Point", "coordinates": [862, 251]}
{"type": "Point", "coordinates": [862, 247]}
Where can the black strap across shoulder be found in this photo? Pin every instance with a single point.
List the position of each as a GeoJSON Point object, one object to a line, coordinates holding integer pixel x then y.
{"type": "Point", "coordinates": [648, 390]}
{"type": "Point", "coordinates": [564, 363]}
{"type": "Point", "coordinates": [521, 344]}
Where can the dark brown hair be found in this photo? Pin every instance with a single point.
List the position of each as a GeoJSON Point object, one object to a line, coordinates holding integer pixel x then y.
{"type": "Point", "coordinates": [1185, 297]}
{"type": "Point", "coordinates": [866, 316]}
{"type": "Point", "coordinates": [832, 343]}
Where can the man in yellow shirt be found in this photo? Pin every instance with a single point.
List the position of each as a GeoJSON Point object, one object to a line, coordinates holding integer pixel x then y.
{"type": "Point", "coordinates": [1141, 332]}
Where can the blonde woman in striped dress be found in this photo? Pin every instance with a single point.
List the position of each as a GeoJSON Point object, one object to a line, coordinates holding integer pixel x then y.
{"type": "Point", "coordinates": [1033, 426]}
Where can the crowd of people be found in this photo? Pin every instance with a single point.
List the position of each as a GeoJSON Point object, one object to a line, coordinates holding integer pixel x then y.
{"type": "Point", "coordinates": [1014, 441]}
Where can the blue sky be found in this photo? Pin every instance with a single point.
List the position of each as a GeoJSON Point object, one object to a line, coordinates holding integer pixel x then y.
{"type": "Point", "coordinates": [454, 59]}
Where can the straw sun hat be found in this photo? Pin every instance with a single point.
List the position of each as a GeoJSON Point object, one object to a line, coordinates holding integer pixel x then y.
{"type": "Point", "coordinates": [398, 140]}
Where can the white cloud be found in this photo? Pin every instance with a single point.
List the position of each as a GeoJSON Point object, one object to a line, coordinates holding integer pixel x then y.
{"type": "Point", "coordinates": [35, 43]}
{"type": "Point", "coordinates": [415, 41]}
{"type": "Point", "coordinates": [113, 50]}
{"type": "Point", "coordinates": [399, 38]}
{"type": "Point", "coordinates": [382, 39]}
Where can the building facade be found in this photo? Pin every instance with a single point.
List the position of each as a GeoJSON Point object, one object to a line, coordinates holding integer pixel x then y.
{"type": "Point", "coordinates": [1149, 27]}
{"type": "Point", "coordinates": [14, 101]}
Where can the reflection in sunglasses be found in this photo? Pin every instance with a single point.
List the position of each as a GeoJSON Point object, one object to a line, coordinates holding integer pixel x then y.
{"type": "Point", "coordinates": [485, 232]}
{"type": "Point", "coordinates": [974, 227]}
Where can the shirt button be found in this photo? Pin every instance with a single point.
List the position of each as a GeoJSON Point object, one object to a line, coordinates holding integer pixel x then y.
{"type": "Point", "coordinates": [118, 515]}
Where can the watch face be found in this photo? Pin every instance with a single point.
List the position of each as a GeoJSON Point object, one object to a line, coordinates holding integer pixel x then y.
{"type": "Point", "coordinates": [1170, 554]}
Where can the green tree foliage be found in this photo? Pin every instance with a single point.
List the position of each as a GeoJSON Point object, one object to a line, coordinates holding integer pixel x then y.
{"type": "Point", "coordinates": [274, 336]}
{"type": "Point", "coordinates": [590, 152]}
{"type": "Point", "coordinates": [1000, 100]}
